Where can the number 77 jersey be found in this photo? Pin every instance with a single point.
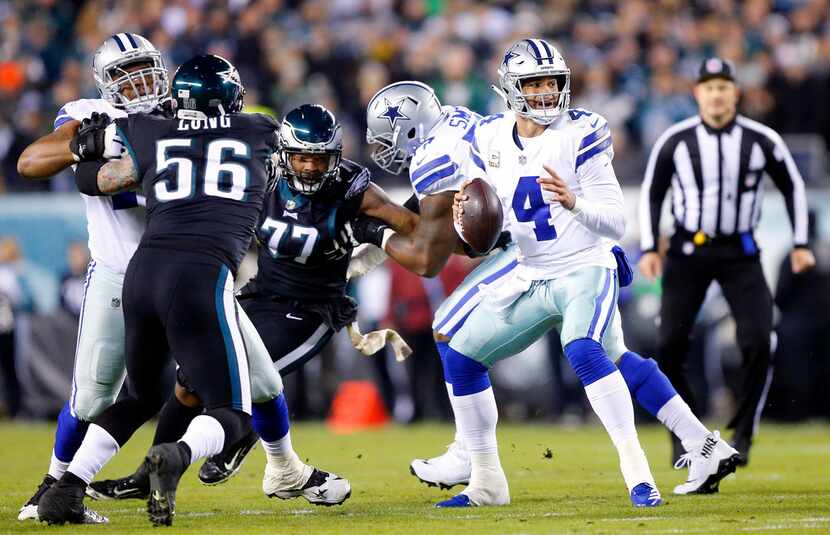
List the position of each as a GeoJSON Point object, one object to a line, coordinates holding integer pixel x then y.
{"type": "Point", "coordinates": [204, 180]}
{"type": "Point", "coordinates": [551, 241]}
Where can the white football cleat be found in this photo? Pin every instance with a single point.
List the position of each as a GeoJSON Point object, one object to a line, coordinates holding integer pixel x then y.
{"type": "Point", "coordinates": [445, 471]}
{"type": "Point", "coordinates": [316, 486]}
{"type": "Point", "coordinates": [708, 463]}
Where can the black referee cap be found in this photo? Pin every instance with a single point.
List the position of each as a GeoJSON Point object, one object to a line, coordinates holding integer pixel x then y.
{"type": "Point", "coordinates": [716, 68]}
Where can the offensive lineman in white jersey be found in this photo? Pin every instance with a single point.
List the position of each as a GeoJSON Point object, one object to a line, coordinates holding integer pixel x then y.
{"type": "Point", "coordinates": [131, 78]}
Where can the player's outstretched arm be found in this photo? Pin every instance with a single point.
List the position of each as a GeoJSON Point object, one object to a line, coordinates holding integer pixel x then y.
{"type": "Point", "coordinates": [116, 176]}
{"type": "Point", "coordinates": [376, 203]}
{"type": "Point", "coordinates": [50, 154]}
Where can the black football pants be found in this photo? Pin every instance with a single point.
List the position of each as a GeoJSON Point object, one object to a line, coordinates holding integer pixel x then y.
{"type": "Point", "coordinates": [685, 281]}
{"type": "Point", "coordinates": [181, 304]}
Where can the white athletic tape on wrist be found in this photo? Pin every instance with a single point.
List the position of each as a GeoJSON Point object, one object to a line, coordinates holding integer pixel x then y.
{"type": "Point", "coordinates": [365, 258]}
{"type": "Point", "coordinates": [387, 234]}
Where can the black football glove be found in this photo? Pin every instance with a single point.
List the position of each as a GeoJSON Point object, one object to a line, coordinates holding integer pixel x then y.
{"type": "Point", "coordinates": [88, 143]}
{"type": "Point", "coordinates": [502, 242]}
{"type": "Point", "coordinates": [370, 230]}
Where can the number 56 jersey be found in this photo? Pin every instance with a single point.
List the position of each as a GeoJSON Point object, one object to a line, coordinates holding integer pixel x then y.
{"type": "Point", "coordinates": [577, 145]}
{"type": "Point", "coordinates": [204, 180]}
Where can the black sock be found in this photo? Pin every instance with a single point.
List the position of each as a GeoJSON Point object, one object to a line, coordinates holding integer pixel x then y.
{"type": "Point", "coordinates": [185, 451]}
{"type": "Point", "coordinates": [236, 424]}
{"type": "Point", "coordinates": [71, 480]}
{"type": "Point", "coordinates": [173, 421]}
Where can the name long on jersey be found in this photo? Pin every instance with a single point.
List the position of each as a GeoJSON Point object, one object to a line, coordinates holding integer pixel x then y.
{"type": "Point", "coordinates": [204, 180]}
{"type": "Point", "coordinates": [552, 243]}
{"type": "Point", "coordinates": [304, 248]}
{"type": "Point", "coordinates": [114, 224]}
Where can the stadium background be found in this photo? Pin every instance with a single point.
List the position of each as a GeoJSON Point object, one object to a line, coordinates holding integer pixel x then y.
{"type": "Point", "coordinates": [632, 61]}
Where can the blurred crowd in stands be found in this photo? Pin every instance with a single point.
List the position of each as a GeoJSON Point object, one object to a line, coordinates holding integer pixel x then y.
{"type": "Point", "coordinates": [633, 60]}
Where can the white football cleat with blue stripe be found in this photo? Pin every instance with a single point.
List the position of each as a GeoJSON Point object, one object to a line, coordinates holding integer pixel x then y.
{"type": "Point", "coordinates": [645, 495]}
{"type": "Point", "coordinates": [445, 471]}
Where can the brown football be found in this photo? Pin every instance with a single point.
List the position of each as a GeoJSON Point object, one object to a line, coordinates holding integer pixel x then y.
{"type": "Point", "coordinates": [482, 218]}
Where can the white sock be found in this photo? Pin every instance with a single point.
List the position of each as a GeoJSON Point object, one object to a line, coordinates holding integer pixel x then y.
{"type": "Point", "coordinates": [611, 402]}
{"type": "Point", "coordinates": [680, 420]}
{"type": "Point", "coordinates": [96, 450]}
{"type": "Point", "coordinates": [204, 436]}
{"type": "Point", "coordinates": [458, 438]}
{"type": "Point", "coordinates": [57, 467]}
{"type": "Point", "coordinates": [476, 416]}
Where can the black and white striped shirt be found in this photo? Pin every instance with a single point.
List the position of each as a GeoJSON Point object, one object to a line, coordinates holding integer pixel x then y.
{"type": "Point", "coordinates": [716, 179]}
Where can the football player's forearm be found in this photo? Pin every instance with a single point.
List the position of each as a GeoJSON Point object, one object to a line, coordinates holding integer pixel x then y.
{"type": "Point", "coordinates": [117, 176]}
{"type": "Point", "coordinates": [48, 155]}
{"type": "Point", "coordinates": [376, 203]}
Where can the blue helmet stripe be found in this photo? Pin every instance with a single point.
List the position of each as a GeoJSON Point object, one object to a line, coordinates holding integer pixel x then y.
{"type": "Point", "coordinates": [132, 40]}
{"type": "Point", "coordinates": [548, 50]}
{"type": "Point", "coordinates": [119, 43]}
{"type": "Point", "coordinates": [535, 49]}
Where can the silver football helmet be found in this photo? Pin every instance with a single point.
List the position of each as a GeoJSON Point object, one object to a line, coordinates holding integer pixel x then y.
{"type": "Point", "coordinates": [146, 88]}
{"type": "Point", "coordinates": [534, 58]}
{"type": "Point", "coordinates": [399, 118]}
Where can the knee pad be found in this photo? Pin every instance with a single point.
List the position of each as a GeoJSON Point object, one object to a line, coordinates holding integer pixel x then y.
{"type": "Point", "coordinates": [589, 360]}
{"type": "Point", "coordinates": [466, 375]}
{"type": "Point", "coordinates": [636, 369]}
{"type": "Point", "coordinates": [88, 404]}
{"type": "Point", "coordinates": [266, 383]}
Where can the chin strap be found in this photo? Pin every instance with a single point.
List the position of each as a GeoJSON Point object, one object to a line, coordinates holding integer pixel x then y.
{"type": "Point", "coordinates": [372, 342]}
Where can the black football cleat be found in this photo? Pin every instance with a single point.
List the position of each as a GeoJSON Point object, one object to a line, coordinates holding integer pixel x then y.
{"type": "Point", "coordinates": [221, 467]}
{"type": "Point", "coordinates": [63, 503]}
{"type": "Point", "coordinates": [165, 463]}
{"type": "Point", "coordinates": [133, 487]}
{"type": "Point", "coordinates": [29, 509]}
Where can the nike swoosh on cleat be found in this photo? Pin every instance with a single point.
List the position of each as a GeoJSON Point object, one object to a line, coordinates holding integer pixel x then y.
{"type": "Point", "coordinates": [229, 465]}
{"type": "Point", "coordinates": [291, 317]}
{"type": "Point", "coordinates": [117, 492]}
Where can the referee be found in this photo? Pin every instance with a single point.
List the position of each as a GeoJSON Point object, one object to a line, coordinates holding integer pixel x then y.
{"type": "Point", "coordinates": [714, 163]}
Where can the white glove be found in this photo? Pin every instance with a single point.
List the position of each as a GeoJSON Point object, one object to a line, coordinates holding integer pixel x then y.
{"type": "Point", "coordinates": [113, 145]}
{"type": "Point", "coordinates": [365, 258]}
{"type": "Point", "coordinates": [372, 342]}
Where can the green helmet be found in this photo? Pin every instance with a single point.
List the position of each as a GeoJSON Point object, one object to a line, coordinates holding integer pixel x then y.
{"type": "Point", "coordinates": [310, 137]}
{"type": "Point", "coordinates": [207, 86]}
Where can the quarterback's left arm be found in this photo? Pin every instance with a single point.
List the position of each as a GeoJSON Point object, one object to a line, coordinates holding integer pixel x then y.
{"type": "Point", "coordinates": [600, 207]}
{"type": "Point", "coordinates": [376, 203]}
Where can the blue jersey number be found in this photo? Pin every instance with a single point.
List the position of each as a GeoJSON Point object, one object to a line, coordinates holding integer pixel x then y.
{"type": "Point", "coordinates": [460, 118]}
{"type": "Point", "coordinates": [529, 193]}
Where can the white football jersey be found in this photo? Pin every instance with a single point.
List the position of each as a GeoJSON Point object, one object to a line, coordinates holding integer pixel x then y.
{"type": "Point", "coordinates": [552, 243]}
{"type": "Point", "coordinates": [440, 163]}
{"type": "Point", "coordinates": [114, 223]}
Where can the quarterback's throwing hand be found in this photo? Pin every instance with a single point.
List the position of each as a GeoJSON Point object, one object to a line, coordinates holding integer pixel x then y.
{"type": "Point", "coordinates": [554, 184]}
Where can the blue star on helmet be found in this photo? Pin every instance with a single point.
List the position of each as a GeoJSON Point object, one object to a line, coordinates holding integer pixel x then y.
{"type": "Point", "coordinates": [508, 56]}
{"type": "Point", "coordinates": [393, 112]}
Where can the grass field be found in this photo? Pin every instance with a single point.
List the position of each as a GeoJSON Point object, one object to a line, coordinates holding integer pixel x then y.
{"type": "Point", "coordinates": [578, 489]}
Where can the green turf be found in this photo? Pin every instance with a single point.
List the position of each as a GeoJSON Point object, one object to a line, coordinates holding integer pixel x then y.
{"type": "Point", "coordinates": [578, 489]}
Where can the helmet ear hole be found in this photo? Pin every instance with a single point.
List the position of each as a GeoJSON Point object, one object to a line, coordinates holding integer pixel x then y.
{"type": "Point", "coordinates": [411, 133]}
